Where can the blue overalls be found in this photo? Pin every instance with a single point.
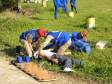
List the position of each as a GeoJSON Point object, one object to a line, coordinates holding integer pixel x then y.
{"type": "Point", "coordinates": [73, 5]}
{"type": "Point", "coordinates": [78, 44]}
{"type": "Point", "coordinates": [68, 62]}
{"type": "Point", "coordinates": [74, 36]}
{"type": "Point", "coordinates": [33, 33]}
{"type": "Point", "coordinates": [60, 38]}
{"type": "Point", "coordinates": [81, 46]}
{"type": "Point", "coordinates": [73, 2]}
{"type": "Point", "coordinates": [60, 3]}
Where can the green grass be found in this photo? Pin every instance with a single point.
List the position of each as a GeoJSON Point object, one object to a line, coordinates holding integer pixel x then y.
{"type": "Point", "coordinates": [98, 64]}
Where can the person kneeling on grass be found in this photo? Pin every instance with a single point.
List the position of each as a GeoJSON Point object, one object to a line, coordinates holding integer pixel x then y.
{"type": "Point", "coordinates": [29, 37]}
{"type": "Point", "coordinates": [66, 62]}
{"type": "Point", "coordinates": [59, 41]}
{"type": "Point", "coordinates": [79, 42]}
{"type": "Point", "coordinates": [79, 36]}
{"type": "Point", "coordinates": [80, 46]}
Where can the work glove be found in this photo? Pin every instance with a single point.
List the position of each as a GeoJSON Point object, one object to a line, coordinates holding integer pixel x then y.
{"type": "Point", "coordinates": [36, 55]}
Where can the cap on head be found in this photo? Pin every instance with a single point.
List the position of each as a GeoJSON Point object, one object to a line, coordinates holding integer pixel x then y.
{"type": "Point", "coordinates": [41, 32]}
{"type": "Point", "coordinates": [83, 33]}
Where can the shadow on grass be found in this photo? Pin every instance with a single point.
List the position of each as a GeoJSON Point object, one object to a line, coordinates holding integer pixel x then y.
{"type": "Point", "coordinates": [1, 10]}
{"type": "Point", "coordinates": [7, 49]}
{"type": "Point", "coordinates": [93, 44]}
{"type": "Point", "coordinates": [36, 18]}
{"type": "Point", "coordinates": [51, 9]}
{"type": "Point", "coordinates": [81, 26]}
{"type": "Point", "coordinates": [10, 52]}
{"type": "Point", "coordinates": [84, 26]}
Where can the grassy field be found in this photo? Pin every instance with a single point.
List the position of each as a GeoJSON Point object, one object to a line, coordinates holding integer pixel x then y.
{"type": "Point", "coordinates": [98, 64]}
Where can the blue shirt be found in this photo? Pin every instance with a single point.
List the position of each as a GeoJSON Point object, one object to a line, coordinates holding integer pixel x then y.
{"type": "Point", "coordinates": [75, 36]}
{"type": "Point", "coordinates": [81, 45]}
{"type": "Point", "coordinates": [60, 38]}
{"type": "Point", "coordinates": [33, 33]}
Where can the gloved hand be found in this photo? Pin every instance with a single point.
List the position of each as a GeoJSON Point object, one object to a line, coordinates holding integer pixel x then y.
{"type": "Point", "coordinates": [36, 55]}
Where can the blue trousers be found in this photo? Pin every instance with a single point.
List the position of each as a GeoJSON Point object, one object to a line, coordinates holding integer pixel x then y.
{"type": "Point", "coordinates": [69, 62]}
{"type": "Point", "coordinates": [73, 7]}
{"type": "Point", "coordinates": [65, 8]}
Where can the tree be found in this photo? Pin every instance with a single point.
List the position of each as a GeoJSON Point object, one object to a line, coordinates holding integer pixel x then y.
{"type": "Point", "coordinates": [16, 4]}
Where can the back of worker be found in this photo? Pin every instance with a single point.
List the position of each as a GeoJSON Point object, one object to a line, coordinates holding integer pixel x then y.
{"type": "Point", "coordinates": [58, 39]}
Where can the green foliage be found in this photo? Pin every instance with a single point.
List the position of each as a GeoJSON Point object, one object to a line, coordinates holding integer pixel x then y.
{"type": "Point", "coordinates": [7, 3]}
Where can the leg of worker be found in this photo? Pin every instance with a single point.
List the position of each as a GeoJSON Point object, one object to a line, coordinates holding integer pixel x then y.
{"type": "Point", "coordinates": [67, 63]}
{"type": "Point", "coordinates": [60, 58]}
{"type": "Point", "coordinates": [64, 61]}
{"type": "Point", "coordinates": [62, 49]}
{"type": "Point", "coordinates": [66, 9]}
{"type": "Point", "coordinates": [75, 8]}
{"type": "Point", "coordinates": [79, 63]}
{"type": "Point", "coordinates": [72, 8]}
{"type": "Point", "coordinates": [27, 47]}
{"type": "Point", "coordinates": [55, 12]}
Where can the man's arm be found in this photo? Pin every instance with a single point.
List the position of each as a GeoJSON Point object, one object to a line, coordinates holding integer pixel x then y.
{"type": "Point", "coordinates": [47, 41]}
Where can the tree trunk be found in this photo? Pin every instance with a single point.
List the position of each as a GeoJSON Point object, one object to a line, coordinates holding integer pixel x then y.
{"type": "Point", "coordinates": [18, 5]}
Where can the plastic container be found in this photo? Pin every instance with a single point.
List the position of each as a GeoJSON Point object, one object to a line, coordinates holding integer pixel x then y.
{"type": "Point", "coordinates": [91, 22]}
{"type": "Point", "coordinates": [101, 44]}
{"type": "Point", "coordinates": [19, 59]}
{"type": "Point", "coordinates": [71, 14]}
{"type": "Point", "coordinates": [27, 59]}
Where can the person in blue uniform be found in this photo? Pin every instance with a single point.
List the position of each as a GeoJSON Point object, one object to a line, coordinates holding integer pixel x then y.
{"type": "Point", "coordinates": [79, 35]}
{"type": "Point", "coordinates": [79, 42]}
{"type": "Point", "coordinates": [58, 4]}
{"type": "Point", "coordinates": [29, 37]}
{"type": "Point", "coordinates": [59, 40]}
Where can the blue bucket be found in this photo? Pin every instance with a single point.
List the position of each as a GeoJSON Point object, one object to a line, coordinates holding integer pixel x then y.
{"type": "Point", "coordinates": [27, 59]}
{"type": "Point", "coordinates": [19, 59]}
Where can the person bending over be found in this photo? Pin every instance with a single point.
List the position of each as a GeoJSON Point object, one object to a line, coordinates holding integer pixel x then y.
{"type": "Point", "coordinates": [29, 37]}
{"type": "Point", "coordinates": [56, 40]}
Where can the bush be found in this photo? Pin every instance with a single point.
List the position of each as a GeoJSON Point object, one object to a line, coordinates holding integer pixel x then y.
{"type": "Point", "coordinates": [7, 3]}
{"type": "Point", "coordinates": [13, 4]}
